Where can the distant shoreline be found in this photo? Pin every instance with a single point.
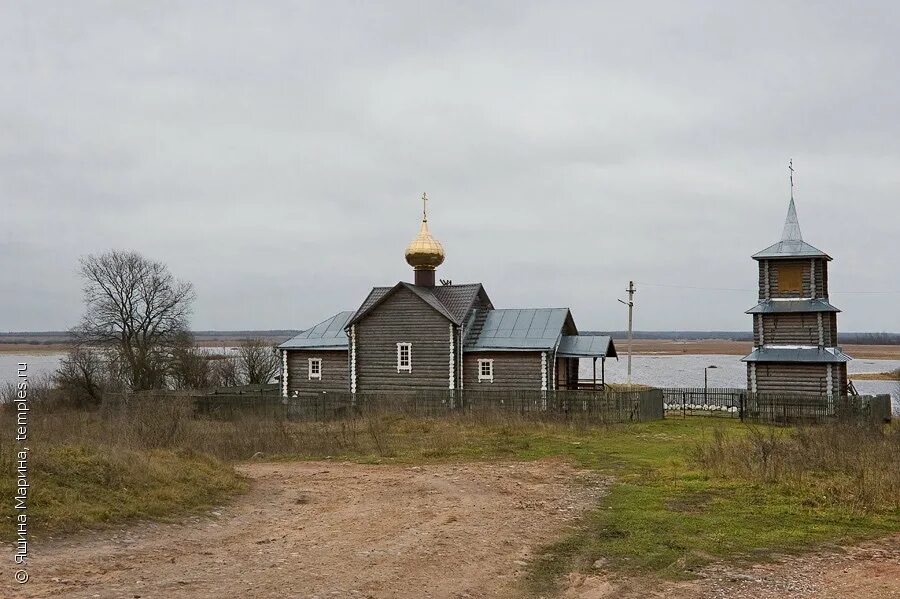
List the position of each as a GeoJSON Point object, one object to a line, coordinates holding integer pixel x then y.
{"type": "Point", "coordinates": [662, 347]}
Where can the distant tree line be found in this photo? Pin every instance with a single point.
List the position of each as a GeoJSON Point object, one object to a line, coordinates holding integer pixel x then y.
{"type": "Point", "coordinates": [135, 336]}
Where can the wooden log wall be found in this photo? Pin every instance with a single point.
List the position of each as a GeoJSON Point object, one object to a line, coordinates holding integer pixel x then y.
{"type": "Point", "coordinates": [799, 378]}
{"type": "Point", "coordinates": [806, 265]}
{"type": "Point", "coordinates": [402, 318]}
{"type": "Point", "coordinates": [335, 376]}
{"type": "Point", "coordinates": [839, 372]}
{"type": "Point", "coordinates": [513, 370]}
{"type": "Point", "coordinates": [796, 328]}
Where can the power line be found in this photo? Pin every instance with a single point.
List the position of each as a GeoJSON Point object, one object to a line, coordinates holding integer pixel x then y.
{"type": "Point", "coordinates": [692, 287]}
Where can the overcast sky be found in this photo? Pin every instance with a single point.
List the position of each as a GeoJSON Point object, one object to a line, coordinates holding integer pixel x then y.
{"type": "Point", "coordinates": [274, 153]}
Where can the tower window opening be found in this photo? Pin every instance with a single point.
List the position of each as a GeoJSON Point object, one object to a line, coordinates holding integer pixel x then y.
{"type": "Point", "coordinates": [790, 279]}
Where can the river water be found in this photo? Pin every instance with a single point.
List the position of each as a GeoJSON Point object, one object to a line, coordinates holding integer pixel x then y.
{"type": "Point", "coordinates": [656, 370]}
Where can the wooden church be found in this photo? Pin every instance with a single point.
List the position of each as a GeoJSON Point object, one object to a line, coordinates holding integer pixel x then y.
{"type": "Point", "coordinates": [795, 341]}
{"type": "Point", "coordinates": [419, 335]}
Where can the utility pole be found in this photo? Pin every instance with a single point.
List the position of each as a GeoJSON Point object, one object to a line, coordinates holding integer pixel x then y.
{"type": "Point", "coordinates": [630, 304]}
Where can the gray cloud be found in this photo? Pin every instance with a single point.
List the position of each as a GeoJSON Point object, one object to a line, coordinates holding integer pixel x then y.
{"type": "Point", "coordinates": [273, 153]}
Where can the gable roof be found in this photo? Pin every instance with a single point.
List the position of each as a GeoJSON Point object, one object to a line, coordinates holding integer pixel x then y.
{"type": "Point", "coordinates": [454, 302]}
{"type": "Point", "coordinates": [534, 329]}
{"type": "Point", "coordinates": [372, 300]}
{"type": "Point", "coordinates": [328, 334]}
{"type": "Point", "coordinates": [427, 295]}
{"type": "Point", "coordinates": [459, 299]}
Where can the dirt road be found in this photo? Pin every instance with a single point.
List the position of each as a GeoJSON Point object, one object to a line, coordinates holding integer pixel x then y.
{"type": "Point", "coordinates": [335, 530]}
{"type": "Point", "coordinates": [316, 530]}
{"type": "Point", "coordinates": [867, 571]}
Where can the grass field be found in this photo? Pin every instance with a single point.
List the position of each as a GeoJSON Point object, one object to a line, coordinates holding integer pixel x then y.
{"type": "Point", "coordinates": [90, 483]}
{"type": "Point", "coordinates": [685, 491]}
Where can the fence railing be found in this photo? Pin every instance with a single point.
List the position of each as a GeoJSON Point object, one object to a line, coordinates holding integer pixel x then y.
{"type": "Point", "coordinates": [775, 408]}
{"type": "Point", "coordinates": [587, 406]}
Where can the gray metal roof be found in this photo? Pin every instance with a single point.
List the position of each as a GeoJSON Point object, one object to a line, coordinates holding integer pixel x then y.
{"type": "Point", "coordinates": [328, 334]}
{"type": "Point", "coordinates": [788, 306]}
{"type": "Point", "coordinates": [520, 329]}
{"type": "Point", "coordinates": [797, 354]}
{"type": "Point", "coordinates": [586, 346]}
{"type": "Point", "coordinates": [791, 244]}
{"type": "Point", "coordinates": [790, 249]}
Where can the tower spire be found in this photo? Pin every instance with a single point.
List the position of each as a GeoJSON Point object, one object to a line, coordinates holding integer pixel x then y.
{"type": "Point", "coordinates": [791, 230]}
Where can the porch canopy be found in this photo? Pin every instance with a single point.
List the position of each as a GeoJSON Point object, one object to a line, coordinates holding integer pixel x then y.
{"type": "Point", "coordinates": [586, 346]}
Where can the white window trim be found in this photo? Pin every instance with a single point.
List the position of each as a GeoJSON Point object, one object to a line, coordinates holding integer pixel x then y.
{"type": "Point", "coordinates": [406, 367]}
{"type": "Point", "coordinates": [486, 377]}
{"type": "Point", "coordinates": [317, 375]}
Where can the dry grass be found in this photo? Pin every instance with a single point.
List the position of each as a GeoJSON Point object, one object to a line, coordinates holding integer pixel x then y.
{"type": "Point", "coordinates": [851, 466]}
{"type": "Point", "coordinates": [169, 423]}
{"type": "Point", "coordinates": [685, 491]}
{"type": "Point", "coordinates": [89, 469]}
{"type": "Point", "coordinates": [877, 376]}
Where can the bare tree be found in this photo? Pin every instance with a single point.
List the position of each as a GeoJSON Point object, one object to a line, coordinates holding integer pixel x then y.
{"type": "Point", "coordinates": [82, 376]}
{"type": "Point", "coordinates": [135, 307]}
{"type": "Point", "coordinates": [188, 365]}
{"type": "Point", "coordinates": [224, 372]}
{"type": "Point", "coordinates": [257, 361]}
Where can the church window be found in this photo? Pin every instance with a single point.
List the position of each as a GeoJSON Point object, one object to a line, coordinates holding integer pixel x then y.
{"type": "Point", "coordinates": [404, 357]}
{"type": "Point", "coordinates": [315, 368]}
{"type": "Point", "coordinates": [486, 370]}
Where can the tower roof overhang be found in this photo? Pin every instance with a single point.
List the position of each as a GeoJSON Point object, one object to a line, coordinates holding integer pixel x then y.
{"type": "Point", "coordinates": [787, 306]}
{"type": "Point", "coordinates": [791, 248]}
{"type": "Point", "coordinates": [821, 355]}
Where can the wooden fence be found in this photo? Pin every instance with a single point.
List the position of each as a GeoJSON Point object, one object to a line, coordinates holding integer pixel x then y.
{"type": "Point", "coordinates": [775, 408]}
{"type": "Point", "coordinates": [587, 406]}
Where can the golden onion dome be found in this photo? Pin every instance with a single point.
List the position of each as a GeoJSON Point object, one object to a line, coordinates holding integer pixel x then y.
{"type": "Point", "coordinates": [424, 252]}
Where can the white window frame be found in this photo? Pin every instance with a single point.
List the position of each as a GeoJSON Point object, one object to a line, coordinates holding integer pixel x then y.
{"type": "Point", "coordinates": [485, 377]}
{"type": "Point", "coordinates": [315, 375]}
{"type": "Point", "coordinates": [401, 367]}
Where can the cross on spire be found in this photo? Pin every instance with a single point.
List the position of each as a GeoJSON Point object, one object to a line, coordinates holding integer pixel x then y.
{"type": "Point", "coordinates": [791, 169]}
{"type": "Point", "coordinates": [424, 208]}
